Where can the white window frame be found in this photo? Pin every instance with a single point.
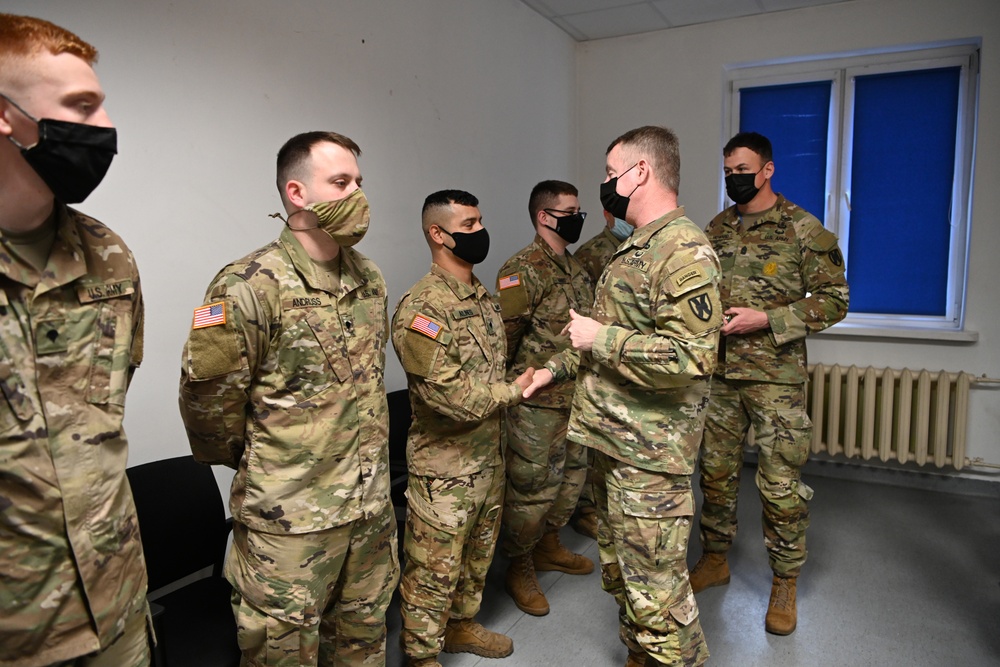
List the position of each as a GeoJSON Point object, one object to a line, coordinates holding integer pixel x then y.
{"type": "Point", "coordinates": [841, 70]}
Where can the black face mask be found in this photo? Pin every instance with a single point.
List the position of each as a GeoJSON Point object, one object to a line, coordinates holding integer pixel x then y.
{"type": "Point", "coordinates": [614, 203]}
{"type": "Point", "coordinates": [71, 158]}
{"type": "Point", "coordinates": [741, 188]}
{"type": "Point", "coordinates": [471, 247]}
{"type": "Point", "coordinates": [570, 226]}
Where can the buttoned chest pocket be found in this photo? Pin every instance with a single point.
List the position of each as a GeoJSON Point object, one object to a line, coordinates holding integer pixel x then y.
{"type": "Point", "coordinates": [16, 409]}
{"type": "Point", "coordinates": [366, 338]}
{"type": "Point", "coordinates": [771, 270]}
{"type": "Point", "coordinates": [304, 363]}
{"type": "Point", "coordinates": [110, 356]}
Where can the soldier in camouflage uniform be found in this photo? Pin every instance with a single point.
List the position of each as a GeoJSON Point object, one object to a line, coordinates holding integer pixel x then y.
{"type": "Point", "coordinates": [449, 336]}
{"type": "Point", "coordinates": [282, 379]}
{"type": "Point", "coordinates": [647, 355]}
{"type": "Point", "coordinates": [783, 278]}
{"type": "Point", "coordinates": [595, 255]}
{"type": "Point", "coordinates": [536, 288]}
{"type": "Point", "coordinates": [74, 580]}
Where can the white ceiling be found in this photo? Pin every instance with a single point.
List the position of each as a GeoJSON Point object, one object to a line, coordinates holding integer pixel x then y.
{"type": "Point", "coordinates": [595, 19]}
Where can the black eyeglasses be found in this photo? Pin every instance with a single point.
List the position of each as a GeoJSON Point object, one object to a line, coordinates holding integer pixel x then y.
{"type": "Point", "coordinates": [550, 211]}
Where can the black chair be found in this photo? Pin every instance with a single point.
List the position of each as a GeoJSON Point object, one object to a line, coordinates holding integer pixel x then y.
{"type": "Point", "coordinates": [399, 425]}
{"type": "Point", "coordinates": [184, 529]}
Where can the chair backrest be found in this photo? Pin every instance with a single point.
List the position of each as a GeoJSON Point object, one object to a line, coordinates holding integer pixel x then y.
{"type": "Point", "coordinates": [182, 519]}
{"type": "Point", "coordinates": [399, 426]}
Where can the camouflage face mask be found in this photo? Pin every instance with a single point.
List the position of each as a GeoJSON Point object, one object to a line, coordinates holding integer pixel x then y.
{"type": "Point", "coordinates": [346, 220]}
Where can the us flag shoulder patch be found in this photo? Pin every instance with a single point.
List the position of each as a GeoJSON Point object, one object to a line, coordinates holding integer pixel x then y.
{"type": "Point", "coordinates": [426, 326]}
{"type": "Point", "coordinates": [513, 280]}
{"type": "Point", "coordinates": [209, 315]}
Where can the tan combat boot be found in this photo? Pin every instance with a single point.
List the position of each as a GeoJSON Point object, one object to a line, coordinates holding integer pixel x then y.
{"type": "Point", "coordinates": [781, 611]}
{"type": "Point", "coordinates": [464, 635]}
{"type": "Point", "coordinates": [585, 522]}
{"type": "Point", "coordinates": [550, 554]}
{"type": "Point", "coordinates": [522, 585]}
{"type": "Point", "coordinates": [712, 569]}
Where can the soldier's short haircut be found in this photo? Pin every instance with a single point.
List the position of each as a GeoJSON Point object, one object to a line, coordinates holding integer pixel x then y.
{"type": "Point", "coordinates": [293, 158]}
{"type": "Point", "coordinates": [22, 37]}
{"type": "Point", "coordinates": [545, 194]}
{"type": "Point", "coordinates": [659, 146]}
{"type": "Point", "coordinates": [443, 199]}
{"type": "Point", "coordinates": [754, 141]}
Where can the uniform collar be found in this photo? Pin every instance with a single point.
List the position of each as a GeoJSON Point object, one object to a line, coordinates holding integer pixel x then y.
{"type": "Point", "coordinates": [350, 275]}
{"type": "Point", "coordinates": [640, 237]}
{"type": "Point", "coordinates": [560, 261]}
{"type": "Point", "coordinates": [461, 290]}
{"type": "Point", "coordinates": [767, 216]}
{"type": "Point", "coordinates": [67, 260]}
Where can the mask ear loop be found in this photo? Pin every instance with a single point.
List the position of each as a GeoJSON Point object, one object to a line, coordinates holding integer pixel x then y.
{"type": "Point", "coordinates": [288, 219]}
{"type": "Point", "coordinates": [26, 115]}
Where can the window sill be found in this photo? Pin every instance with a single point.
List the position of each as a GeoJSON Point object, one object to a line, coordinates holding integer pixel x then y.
{"type": "Point", "coordinates": [850, 330]}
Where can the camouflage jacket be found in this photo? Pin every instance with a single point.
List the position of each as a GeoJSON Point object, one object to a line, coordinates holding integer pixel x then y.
{"type": "Point", "coordinates": [597, 252]}
{"type": "Point", "coordinates": [449, 337]}
{"type": "Point", "coordinates": [536, 288]}
{"type": "Point", "coordinates": [70, 338]}
{"type": "Point", "coordinates": [641, 392]}
{"type": "Point", "coordinates": [788, 266]}
{"type": "Point", "coordinates": [285, 384]}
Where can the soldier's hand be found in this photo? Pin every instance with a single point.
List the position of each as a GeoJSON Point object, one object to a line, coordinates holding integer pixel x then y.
{"type": "Point", "coordinates": [524, 379]}
{"type": "Point", "coordinates": [744, 321]}
{"type": "Point", "coordinates": [543, 377]}
{"type": "Point", "coordinates": [582, 331]}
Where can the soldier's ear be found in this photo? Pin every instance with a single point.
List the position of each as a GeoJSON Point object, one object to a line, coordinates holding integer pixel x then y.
{"type": "Point", "coordinates": [769, 169]}
{"type": "Point", "coordinates": [295, 191]}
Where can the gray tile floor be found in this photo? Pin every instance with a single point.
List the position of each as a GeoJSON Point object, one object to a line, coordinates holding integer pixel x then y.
{"type": "Point", "coordinates": [896, 576]}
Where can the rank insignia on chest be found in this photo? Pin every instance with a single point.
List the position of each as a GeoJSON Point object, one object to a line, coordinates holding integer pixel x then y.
{"type": "Point", "coordinates": [513, 280]}
{"type": "Point", "coordinates": [209, 315]}
{"type": "Point", "coordinates": [771, 268]}
{"type": "Point", "coordinates": [426, 326]}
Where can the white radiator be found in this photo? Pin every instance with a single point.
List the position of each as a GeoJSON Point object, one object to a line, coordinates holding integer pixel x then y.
{"type": "Point", "coordinates": [901, 415]}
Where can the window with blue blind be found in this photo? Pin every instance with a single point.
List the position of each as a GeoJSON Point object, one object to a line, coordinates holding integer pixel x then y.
{"type": "Point", "coordinates": [880, 149]}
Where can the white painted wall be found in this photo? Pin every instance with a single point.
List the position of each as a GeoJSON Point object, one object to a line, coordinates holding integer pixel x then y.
{"type": "Point", "coordinates": [675, 78]}
{"type": "Point", "coordinates": [439, 94]}
{"type": "Point", "coordinates": [482, 95]}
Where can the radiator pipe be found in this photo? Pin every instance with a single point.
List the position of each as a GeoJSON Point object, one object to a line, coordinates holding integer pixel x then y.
{"type": "Point", "coordinates": [978, 462]}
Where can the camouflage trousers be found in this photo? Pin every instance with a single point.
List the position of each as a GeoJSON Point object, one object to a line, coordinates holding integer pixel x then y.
{"type": "Point", "coordinates": [314, 598]}
{"type": "Point", "coordinates": [782, 430]}
{"type": "Point", "coordinates": [131, 649]}
{"type": "Point", "coordinates": [644, 521]}
{"type": "Point", "coordinates": [545, 475]}
{"type": "Point", "coordinates": [451, 533]}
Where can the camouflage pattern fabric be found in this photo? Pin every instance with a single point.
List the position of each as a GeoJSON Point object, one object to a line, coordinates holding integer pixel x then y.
{"type": "Point", "coordinates": [449, 338]}
{"type": "Point", "coordinates": [788, 266]}
{"type": "Point", "coordinates": [545, 475]}
{"type": "Point", "coordinates": [641, 393]}
{"type": "Point", "coordinates": [314, 598]}
{"type": "Point", "coordinates": [640, 400]}
{"type": "Point", "coordinates": [298, 359]}
{"type": "Point", "coordinates": [451, 534]}
{"type": "Point", "coordinates": [285, 383]}
{"type": "Point", "coordinates": [536, 289]}
{"type": "Point", "coordinates": [782, 431]}
{"type": "Point", "coordinates": [644, 521]}
{"type": "Point", "coordinates": [70, 337]}
{"type": "Point", "coordinates": [595, 253]}
{"type": "Point", "coordinates": [131, 649]}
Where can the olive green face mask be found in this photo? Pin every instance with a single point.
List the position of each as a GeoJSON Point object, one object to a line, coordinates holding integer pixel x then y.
{"type": "Point", "coordinates": [345, 220]}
